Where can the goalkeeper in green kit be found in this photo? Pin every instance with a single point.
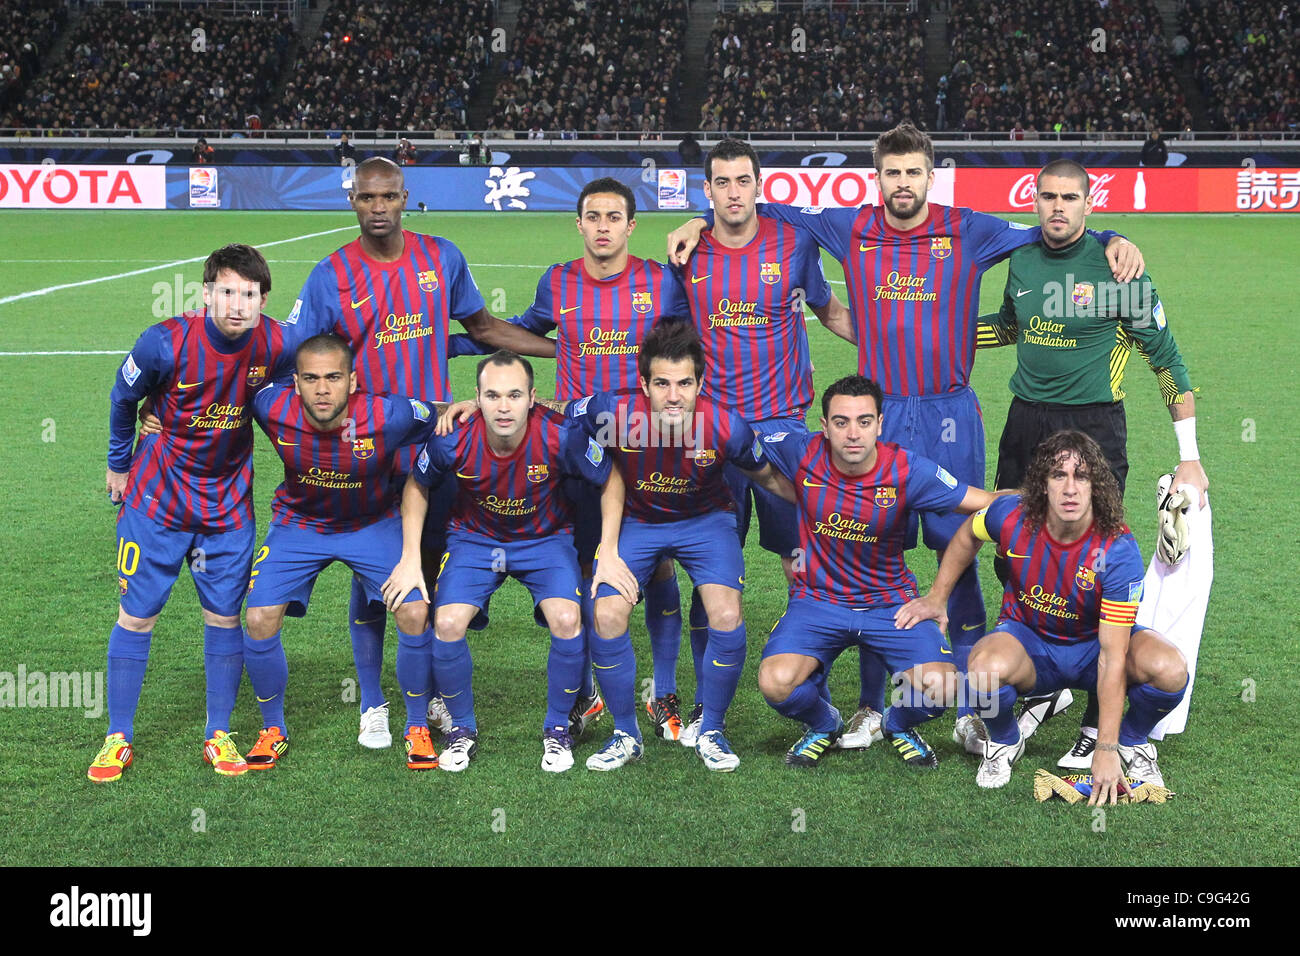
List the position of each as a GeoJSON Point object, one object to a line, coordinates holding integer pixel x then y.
{"type": "Point", "coordinates": [1074, 328]}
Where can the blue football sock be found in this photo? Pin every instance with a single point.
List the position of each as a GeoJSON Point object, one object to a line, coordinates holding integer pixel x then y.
{"type": "Point", "coordinates": [268, 672]}
{"type": "Point", "coordinates": [998, 711]}
{"type": "Point", "coordinates": [901, 717]}
{"type": "Point", "coordinates": [1147, 706]}
{"type": "Point", "coordinates": [564, 667]}
{"type": "Point", "coordinates": [663, 619]}
{"type": "Point", "coordinates": [806, 705]}
{"type": "Point", "coordinates": [617, 663]}
{"type": "Point", "coordinates": [128, 655]}
{"type": "Point", "coordinates": [223, 669]}
{"type": "Point", "coordinates": [588, 637]}
{"type": "Point", "coordinates": [366, 624]}
{"type": "Point", "coordinates": [725, 660]}
{"type": "Point", "coordinates": [454, 668]}
{"type": "Point", "coordinates": [699, 641]}
{"type": "Point", "coordinates": [871, 669]}
{"type": "Point", "coordinates": [414, 652]}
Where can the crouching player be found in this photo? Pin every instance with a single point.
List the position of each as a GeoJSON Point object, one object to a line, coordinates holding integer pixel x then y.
{"type": "Point", "coordinates": [670, 447]}
{"type": "Point", "coordinates": [1072, 594]}
{"type": "Point", "coordinates": [511, 517]}
{"type": "Point", "coordinates": [186, 492]}
{"type": "Point", "coordinates": [338, 502]}
{"type": "Point", "coordinates": [854, 496]}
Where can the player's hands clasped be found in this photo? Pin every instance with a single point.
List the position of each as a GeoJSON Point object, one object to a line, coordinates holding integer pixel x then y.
{"type": "Point", "coordinates": [612, 570]}
{"type": "Point", "coordinates": [1107, 778]}
{"type": "Point", "coordinates": [115, 485]}
{"type": "Point", "coordinates": [459, 412]}
{"type": "Point", "coordinates": [924, 608]}
{"type": "Point", "coordinates": [683, 240]}
{"type": "Point", "coordinates": [406, 577]}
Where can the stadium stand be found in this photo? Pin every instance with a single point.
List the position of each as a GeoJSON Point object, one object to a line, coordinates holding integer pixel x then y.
{"type": "Point", "coordinates": [27, 30]}
{"type": "Point", "coordinates": [142, 69]}
{"type": "Point", "coordinates": [845, 70]}
{"type": "Point", "coordinates": [1245, 56]}
{"type": "Point", "coordinates": [598, 65]}
{"type": "Point", "coordinates": [1081, 67]}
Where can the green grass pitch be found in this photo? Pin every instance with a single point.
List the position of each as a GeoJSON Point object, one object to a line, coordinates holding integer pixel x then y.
{"type": "Point", "coordinates": [1230, 293]}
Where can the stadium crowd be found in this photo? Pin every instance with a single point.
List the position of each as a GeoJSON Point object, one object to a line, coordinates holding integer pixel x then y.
{"type": "Point", "coordinates": [387, 66]}
{"type": "Point", "coordinates": [1245, 61]}
{"type": "Point", "coordinates": [1085, 67]}
{"type": "Point", "coordinates": [597, 65]}
{"type": "Point", "coordinates": [163, 69]}
{"type": "Point", "coordinates": [27, 29]}
{"type": "Point", "coordinates": [815, 70]}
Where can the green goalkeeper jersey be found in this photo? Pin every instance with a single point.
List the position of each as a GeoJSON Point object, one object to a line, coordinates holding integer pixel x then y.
{"type": "Point", "coordinates": [1075, 326]}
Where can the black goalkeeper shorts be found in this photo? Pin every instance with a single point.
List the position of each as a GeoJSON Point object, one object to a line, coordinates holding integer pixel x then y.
{"type": "Point", "coordinates": [1028, 423]}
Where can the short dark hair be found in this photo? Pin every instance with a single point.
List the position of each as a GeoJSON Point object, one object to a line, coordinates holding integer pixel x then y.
{"type": "Point", "coordinates": [1107, 501]}
{"type": "Point", "coordinates": [730, 148]}
{"type": "Point", "coordinates": [672, 341]}
{"type": "Point", "coordinates": [241, 259]}
{"type": "Point", "coordinates": [608, 184]}
{"type": "Point", "coordinates": [323, 344]}
{"type": "Point", "coordinates": [903, 138]}
{"type": "Point", "coordinates": [1068, 168]}
{"type": "Point", "coordinates": [854, 386]}
{"type": "Point", "coordinates": [504, 357]}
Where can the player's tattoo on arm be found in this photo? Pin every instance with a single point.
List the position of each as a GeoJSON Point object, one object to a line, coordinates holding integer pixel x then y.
{"type": "Point", "coordinates": [554, 405]}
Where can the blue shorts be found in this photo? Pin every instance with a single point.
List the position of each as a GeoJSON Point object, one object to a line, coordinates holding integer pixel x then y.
{"type": "Point", "coordinates": [1056, 665]}
{"type": "Point", "coordinates": [442, 498]}
{"type": "Point", "coordinates": [150, 555]}
{"type": "Point", "coordinates": [707, 547]}
{"type": "Point", "coordinates": [778, 521]}
{"type": "Point", "coordinates": [949, 430]}
{"type": "Point", "coordinates": [474, 566]}
{"type": "Point", "coordinates": [291, 559]}
{"type": "Point", "coordinates": [823, 630]}
{"type": "Point", "coordinates": [586, 518]}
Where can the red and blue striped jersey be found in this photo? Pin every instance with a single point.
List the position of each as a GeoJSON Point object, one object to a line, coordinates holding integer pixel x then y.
{"type": "Point", "coordinates": [396, 315]}
{"type": "Point", "coordinates": [914, 296]}
{"type": "Point", "coordinates": [748, 307]}
{"type": "Point", "coordinates": [1062, 591]}
{"type": "Point", "coordinates": [519, 495]}
{"type": "Point", "coordinates": [670, 475]}
{"type": "Point", "coordinates": [341, 479]}
{"type": "Point", "coordinates": [600, 323]}
{"type": "Point", "coordinates": [853, 528]}
{"type": "Point", "coordinates": [197, 475]}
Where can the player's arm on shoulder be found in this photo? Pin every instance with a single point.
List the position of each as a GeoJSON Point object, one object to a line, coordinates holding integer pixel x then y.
{"type": "Point", "coordinates": [491, 331]}
{"type": "Point", "coordinates": [745, 451]}
{"type": "Point", "coordinates": [1000, 328]}
{"type": "Point", "coordinates": [1125, 258]}
{"type": "Point", "coordinates": [995, 238]}
{"type": "Point", "coordinates": [408, 574]}
{"type": "Point", "coordinates": [835, 316]}
{"type": "Point", "coordinates": [682, 241]}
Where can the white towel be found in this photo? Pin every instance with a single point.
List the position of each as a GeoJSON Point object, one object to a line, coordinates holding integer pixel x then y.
{"type": "Point", "coordinates": [1174, 602]}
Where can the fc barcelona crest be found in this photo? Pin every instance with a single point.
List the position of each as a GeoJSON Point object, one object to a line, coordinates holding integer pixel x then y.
{"type": "Point", "coordinates": [642, 302]}
{"type": "Point", "coordinates": [770, 272]}
{"type": "Point", "coordinates": [256, 374]}
{"type": "Point", "coordinates": [538, 473]}
{"type": "Point", "coordinates": [363, 448]}
{"type": "Point", "coordinates": [705, 457]}
{"type": "Point", "coordinates": [941, 247]}
{"type": "Point", "coordinates": [886, 496]}
{"type": "Point", "coordinates": [1083, 294]}
{"type": "Point", "coordinates": [428, 281]}
{"type": "Point", "coordinates": [1085, 579]}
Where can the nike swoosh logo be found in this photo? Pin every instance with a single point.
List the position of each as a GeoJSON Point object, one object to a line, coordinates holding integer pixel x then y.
{"type": "Point", "coordinates": [695, 279]}
{"type": "Point", "coordinates": [1020, 292]}
{"type": "Point", "coordinates": [868, 248]}
{"type": "Point", "coordinates": [357, 305]}
{"type": "Point", "coordinates": [575, 690]}
{"type": "Point", "coordinates": [371, 621]}
{"type": "Point", "coordinates": [971, 627]}
{"type": "Point", "coordinates": [813, 484]}
{"type": "Point", "coordinates": [450, 696]}
{"type": "Point", "coordinates": [671, 611]}
{"type": "Point", "coordinates": [1012, 554]}
{"type": "Point", "coordinates": [183, 386]}
{"type": "Point", "coordinates": [944, 650]}
{"type": "Point", "coordinates": [266, 700]}
{"type": "Point", "coordinates": [572, 308]}
{"type": "Point", "coordinates": [409, 694]}
{"type": "Point", "coordinates": [602, 667]}
{"type": "Point", "coordinates": [631, 451]}
{"type": "Point", "coordinates": [717, 664]}
{"type": "Point", "coordinates": [287, 444]}
{"type": "Point", "coordinates": [466, 477]}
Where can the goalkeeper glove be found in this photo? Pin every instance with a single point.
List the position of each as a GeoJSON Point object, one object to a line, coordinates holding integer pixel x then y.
{"type": "Point", "coordinates": [1173, 540]}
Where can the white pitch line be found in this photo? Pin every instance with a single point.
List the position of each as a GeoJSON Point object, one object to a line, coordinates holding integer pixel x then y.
{"type": "Point", "coordinates": [166, 265]}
